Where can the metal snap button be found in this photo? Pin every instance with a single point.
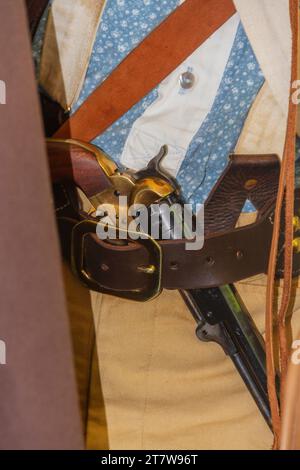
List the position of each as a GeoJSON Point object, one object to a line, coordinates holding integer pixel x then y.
{"type": "Point", "coordinates": [187, 80]}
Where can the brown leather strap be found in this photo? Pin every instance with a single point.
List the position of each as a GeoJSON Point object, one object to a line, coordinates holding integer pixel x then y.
{"type": "Point", "coordinates": [156, 57]}
{"type": "Point", "coordinates": [247, 177]}
{"type": "Point", "coordinates": [286, 188]}
{"type": "Point", "coordinates": [225, 258]}
{"type": "Point", "coordinates": [228, 254]}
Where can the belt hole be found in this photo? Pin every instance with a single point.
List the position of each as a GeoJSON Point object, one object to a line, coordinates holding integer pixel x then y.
{"type": "Point", "coordinates": [174, 266]}
{"type": "Point", "coordinates": [104, 267]}
{"type": "Point", "coordinates": [210, 261]}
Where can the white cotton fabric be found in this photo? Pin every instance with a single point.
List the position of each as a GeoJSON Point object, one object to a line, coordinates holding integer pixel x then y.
{"type": "Point", "coordinates": [69, 37]}
{"type": "Point", "coordinates": [265, 127]}
{"type": "Point", "coordinates": [177, 114]}
{"type": "Point", "coordinates": [267, 24]}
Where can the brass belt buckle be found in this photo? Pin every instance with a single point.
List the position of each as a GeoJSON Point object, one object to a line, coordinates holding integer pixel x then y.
{"type": "Point", "coordinates": [154, 270]}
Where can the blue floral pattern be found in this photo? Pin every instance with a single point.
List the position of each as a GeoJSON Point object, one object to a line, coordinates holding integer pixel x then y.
{"type": "Point", "coordinates": [124, 24]}
{"type": "Point", "coordinates": [37, 44]}
{"type": "Point", "coordinates": [208, 152]}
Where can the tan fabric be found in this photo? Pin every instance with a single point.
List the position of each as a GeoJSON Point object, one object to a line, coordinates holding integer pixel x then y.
{"type": "Point", "coordinates": [267, 24]}
{"type": "Point", "coordinates": [264, 130]}
{"type": "Point", "coordinates": [268, 28]}
{"type": "Point", "coordinates": [66, 51]}
{"type": "Point", "coordinates": [86, 362]}
{"type": "Point", "coordinates": [162, 388]}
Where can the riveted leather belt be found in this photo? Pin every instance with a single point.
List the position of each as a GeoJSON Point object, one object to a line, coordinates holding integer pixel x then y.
{"type": "Point", "coordinates": [229, 254]}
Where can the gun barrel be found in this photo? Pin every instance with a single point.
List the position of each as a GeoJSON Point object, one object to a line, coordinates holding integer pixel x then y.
{"type": "Point", "coordinates": [222, 318]}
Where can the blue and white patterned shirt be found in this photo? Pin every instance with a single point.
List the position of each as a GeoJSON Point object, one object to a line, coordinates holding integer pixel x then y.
{"type": "Point", "coordinates": [124, 24]}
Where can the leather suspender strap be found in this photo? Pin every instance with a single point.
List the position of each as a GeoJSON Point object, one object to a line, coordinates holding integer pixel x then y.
{"type": "Point", "coordinates": [145, 67]}
{"type": "Point", "coordinates": [285, 191]}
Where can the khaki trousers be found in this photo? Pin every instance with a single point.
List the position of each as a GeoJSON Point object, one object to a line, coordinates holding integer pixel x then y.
{"type": "Point", "coordinates": [160, 387]}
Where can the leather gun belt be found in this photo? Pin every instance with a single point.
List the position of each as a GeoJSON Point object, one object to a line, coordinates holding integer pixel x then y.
{"type": "Point", "coordinates": [229, 254]}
